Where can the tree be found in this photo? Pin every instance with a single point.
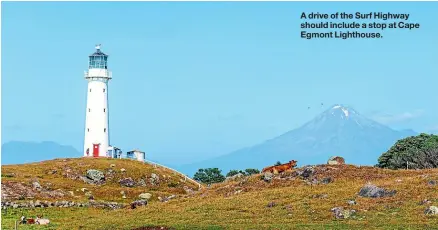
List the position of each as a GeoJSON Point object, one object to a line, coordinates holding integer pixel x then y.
{"type": "Point", "coordinates": [278, 163]}
{"type": "Point", "coordinates": [232, 173]}
{"type": "Point", "coordinates": [417, 152]}
{"type": "Point", "coordinates": [209, 176]}
{"type": "Point", "coordinates": [250, 172]}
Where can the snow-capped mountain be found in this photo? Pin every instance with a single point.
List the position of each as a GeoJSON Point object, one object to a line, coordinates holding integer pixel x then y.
{"type": "Point", "coordinates": [339, 130]}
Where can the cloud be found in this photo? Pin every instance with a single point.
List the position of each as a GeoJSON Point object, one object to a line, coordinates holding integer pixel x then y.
{"type": "Point", "coordinates": [386, 118]}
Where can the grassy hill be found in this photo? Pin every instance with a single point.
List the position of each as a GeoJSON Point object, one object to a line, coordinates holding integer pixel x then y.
{"type": "Point", "coordinates": [293, 200]}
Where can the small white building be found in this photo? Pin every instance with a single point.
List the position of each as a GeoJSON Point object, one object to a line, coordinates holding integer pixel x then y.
{"type": "Point", "coordinates": [136, 155]}
{"type": "Point", "coordinates": [114, 152]}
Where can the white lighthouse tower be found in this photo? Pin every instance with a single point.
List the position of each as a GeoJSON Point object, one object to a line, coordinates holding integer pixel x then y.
{"type": "Point", "coordinates": [96, 120]}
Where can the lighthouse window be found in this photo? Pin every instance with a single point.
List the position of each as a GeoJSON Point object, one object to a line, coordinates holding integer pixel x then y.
{"type": "Point", "coordinates": [89, 110]}
{"type": "Point", "coordinates": [88, 130]}
{"type": "Point", "coordinates": [103, 110]}
{"type": "Point", "coordinates": [104, 90]}
{"type": "Point", "coordinates": [90, 90]}
{"type": "Point", "coordinates": [104, 130]}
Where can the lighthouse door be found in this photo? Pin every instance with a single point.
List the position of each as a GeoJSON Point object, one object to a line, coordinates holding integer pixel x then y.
{"type": "Point", "coordinates": [95, 150]}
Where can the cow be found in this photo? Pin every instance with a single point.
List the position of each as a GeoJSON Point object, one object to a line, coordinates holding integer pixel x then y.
{"type": "Point", "coordinates": [280, 168]}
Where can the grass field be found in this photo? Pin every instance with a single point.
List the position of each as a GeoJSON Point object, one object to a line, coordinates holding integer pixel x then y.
{"type": "Point", "coordinates": [243, 204]}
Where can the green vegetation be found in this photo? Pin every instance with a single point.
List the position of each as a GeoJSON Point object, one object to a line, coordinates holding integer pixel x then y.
{"type": "Point", "coordinates": [247, 172]}
{"type": "Point", "coordinates": [417, 152]}
{"type": "Point", "coordinates": [209, 176]}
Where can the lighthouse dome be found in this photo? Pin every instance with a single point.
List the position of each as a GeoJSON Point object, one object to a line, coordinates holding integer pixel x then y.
{"type": "Point", "coordinates": [98, 59]}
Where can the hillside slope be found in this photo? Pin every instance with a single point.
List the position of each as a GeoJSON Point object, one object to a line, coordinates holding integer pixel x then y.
{"type": "Point", "coordinates": [301, 199]}
{"type": "Point", "coordinates": [63, 179]}
{"type": "Point", "coordinates": [338, 131]}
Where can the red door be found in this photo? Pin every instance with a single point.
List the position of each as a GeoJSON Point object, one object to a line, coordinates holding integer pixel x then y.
{"type": "Point", "coordinates": [95, 150]}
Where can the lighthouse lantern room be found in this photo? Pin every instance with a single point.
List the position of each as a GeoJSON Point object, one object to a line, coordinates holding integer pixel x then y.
{"type": "Point", "coordinates": [96, 141]}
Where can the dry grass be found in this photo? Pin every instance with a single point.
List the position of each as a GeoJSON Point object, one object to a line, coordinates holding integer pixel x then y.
{"type": "Point", "coordinates": [298, 205]}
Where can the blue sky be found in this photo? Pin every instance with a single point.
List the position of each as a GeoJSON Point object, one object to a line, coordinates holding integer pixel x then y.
{"type": "Point", "coordinates": [199, 79]}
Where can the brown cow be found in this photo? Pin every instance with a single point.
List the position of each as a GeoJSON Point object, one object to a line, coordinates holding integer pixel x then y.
{"type": "Point", "coordinates": [280, 168]}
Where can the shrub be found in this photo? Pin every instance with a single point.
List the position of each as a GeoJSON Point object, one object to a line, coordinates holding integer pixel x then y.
{"type": "Point", "coordinates": [251, 171]}
{"type": "Point", "coordinates": [209, 176]}
{"type": "Point", "coordinates": [417, 152]}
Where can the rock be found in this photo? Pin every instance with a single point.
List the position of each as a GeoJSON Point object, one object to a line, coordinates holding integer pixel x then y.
{"type": "Point", "coordinates": [341, 213]}
{"type": "Point", "coordinates": [36, 185]}
{"type": "Point", "coordinates": [425, 201]}
{"type": "Point", "coordinates": [188, 190]}
{"type": "Point", "coordinates": [95, 176]}
{"type": "Point", "coordinates": [351, 202]}
{"type": "Point", "coordinates": [84, 189]}
{"type": "Point", "coordinates": [373, 191]}
{"type": "Point", "coordinates": [112, 165]}
{"type": "Point", "coordinates": [271, 204]}
{"type": "Point", "coordinates": [155, 180]}
{"type": "Point", "coordinates": [267, 176]}
{"type": "Point", "coordinates": [326, 180]}
{"type": "Point", "coordinates": [88, 194]}
{"type": "Point", "coordinates": [306, 172]}
{"type": "Point", "coordinates": [71, 193]}
{"type": "Point", "coordinates": [53, 171]}
{"type": "Point", "coordinates": [38, 204]}
{"type": "Point", "coordinates": [141, 183]}
{"type": "Point", "coordinates": [122, 170]}
{"type": "Point", "coordinates": [336, 160]}
{"type": "Point", "coordinates": [145, 196]}
{"type": "Point", "coordinates": [431, 210]}
{"type": "Point", "coordinates": [432, 182]}
{"type": "Point", "coordinates": [137, 203]}
{"type": "Point", "coordinates": [127, 182]}
{"type": "Point", "coordinates": [320, 196]}
{"type": "Point", "coordinates": [171, 197]}
{"type": "Point", "coordinates": [123, 194]}
{"type": "Point", "coordinates": [235, 177]}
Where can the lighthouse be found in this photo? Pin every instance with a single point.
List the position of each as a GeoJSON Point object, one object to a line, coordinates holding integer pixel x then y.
{"type": "Point", "coordinates": [96, 140]}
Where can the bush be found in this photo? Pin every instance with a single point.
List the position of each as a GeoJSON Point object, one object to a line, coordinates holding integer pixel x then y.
{"type": "Point", "coordinates": [209, 176]}
{"type": "Point", "coordinates": [251, 171]}
{"type": "Point", "coordinates": [418, 152]}
{"type": "Point", "coordinates": [232, 173]}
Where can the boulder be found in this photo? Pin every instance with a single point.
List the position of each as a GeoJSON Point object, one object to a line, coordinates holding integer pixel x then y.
{"type": "Point", "coordinates": [341, 213]}
{"type": "Point", "coordinates": [127, 182]}
{"type": "Point", "coordinates": [268, 176]}
{"type": "Point", "coordinates": [336, 160]}
{"type": "Point", "coordinates": [155, 180]}
{"type": "Point", "coordinates": [432, 182]}
{"type": "Point", "coordinates": [36, 185]}
{"type": "Point", "coordinates": [271, 204]}
{"type": "Point", "coordinates": [373, 191]}
{"type": "Point", "coordinates": [94, 177]}
{"type": "Point", "coordinates": [145, 196]}
{"type": "Point", "coordinates": [137, 203]}
{"type": "Point", "coordinates": [112, 165]}
{"type": "Point", "coordinates": [326, 180]}
{"type": "Point", "coordinates": [306, 172]}
{"type": "Point", "coordinates": [431, 210]}
{"type": "Point", "coordinates": [351, 202]}
{"type": "Point", "coordinates": [122, 170]}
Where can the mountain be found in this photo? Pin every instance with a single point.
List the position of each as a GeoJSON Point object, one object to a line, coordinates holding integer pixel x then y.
{"type": "Point", "coordinates": [340, 131]}
{"type": "Point", "coordinates": [19, 152]}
